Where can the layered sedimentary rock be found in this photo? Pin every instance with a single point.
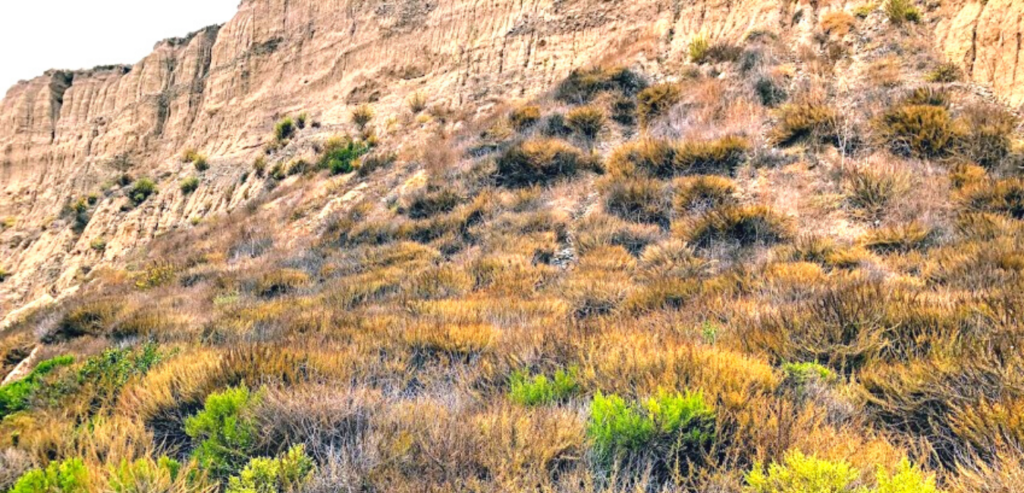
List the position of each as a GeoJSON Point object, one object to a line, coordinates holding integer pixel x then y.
{"type": "Point", "coordinates": [985, 38]}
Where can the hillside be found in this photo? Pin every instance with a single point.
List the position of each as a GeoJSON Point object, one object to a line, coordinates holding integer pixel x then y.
{"type": "Point", "coordinates": [715, 246]}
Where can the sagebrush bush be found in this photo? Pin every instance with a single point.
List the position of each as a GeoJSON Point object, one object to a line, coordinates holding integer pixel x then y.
{"type": "Point", "coordinates": [804, 121]}
{"type": "Point", "coordinates": [642, 200]}
{"type": "Point", "coordinates": [673, 429]}
{"type": "Point", "coordinates": [524, 117]}
{"type": "Point", "coordinates": [539, 161]}
{"type": "Point", "coordinates": [702, 193]}
{"type": "Point", "coordinates": [740, 225]}
{"type": "Point", "coordinates": [224, 431]}
{"type": "Point", "coordinates": [656, 100]}
{"type": "Point", "coordinates": [923, 131]}
{"type": "Point", "coordinates": [535, 390]}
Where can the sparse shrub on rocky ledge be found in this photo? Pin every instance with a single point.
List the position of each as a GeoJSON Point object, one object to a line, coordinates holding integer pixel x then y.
{"type": "Point", "coordinates": [341, 154]}
{"type": "Point", "coordinates": [4, 274]}
{"type": "Point", "coordinates": [189, 185]}
{"type": "Point", "coordinates": [945, 73]}
{"type": "Point", "coordinates": [540, 161]}
{"type": "Point", "coordinates": [901, 11]}
{"type": "Point", "coordinates": [141, 190]}
{"type": "Point", "coordinates": [284, 130]}
{"type": "Point", "coordinates": [362, 116]}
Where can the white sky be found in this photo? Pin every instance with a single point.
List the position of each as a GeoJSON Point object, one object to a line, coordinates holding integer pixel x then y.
{"type": "Point", "coordinates": [37, 35]}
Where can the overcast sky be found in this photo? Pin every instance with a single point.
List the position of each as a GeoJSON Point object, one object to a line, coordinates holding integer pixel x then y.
{"type": "Point", "coordinates": [37, 35]}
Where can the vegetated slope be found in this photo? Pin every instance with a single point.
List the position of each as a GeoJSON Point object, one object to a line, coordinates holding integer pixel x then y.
{"type": "Point", "coordinates": [769, 269]}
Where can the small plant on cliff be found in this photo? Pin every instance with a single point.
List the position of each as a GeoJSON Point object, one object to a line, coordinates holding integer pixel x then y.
{"type": "Point", "coordinates": [4, 274]}
{"type": "Point", "coordinates": [189, 185]}
{"type": "Point", "coordinates": [362, 116]}
{"type": "Point", "coordinates": [698, 49]}
{"type": "Point", "coordinates": [417, 102]}
{"type": "Point", "coordinates": [945, 73]}
{"type": "Point", "coordinates": [142, 190]}
{"type": "Point", "coordinates": [284, 130]}
{"type": "Point", "coordinates": [901, 11]}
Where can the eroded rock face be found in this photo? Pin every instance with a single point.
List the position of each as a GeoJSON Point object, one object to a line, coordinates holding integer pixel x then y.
{"type": "Point", "coordinates": [985, 38]}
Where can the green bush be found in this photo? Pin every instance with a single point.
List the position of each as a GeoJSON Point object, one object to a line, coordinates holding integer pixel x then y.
{"type": "Point", "coordinates": [802, 373]}
{"type": "Point", "coordinates": [284, 130]}
{"type": "Point", "coordinates": [144, 475]}
{"type": "Point", "coordinates": [803, 474]}
{"type": "Point", "coordinates": [142, 190]}
{"type": "Point", "coordinates": [284, 474]}
{"type": "Point", "coordinates": [67, 476]}
{"type": "Point", "coordinates": [537, 390]}
{"type": "Point", "coordinates": [669, 427]}
{"type": "Point", "coordinates": [901, 11]}
{"type": "Point", "coordinates": [539, 161]}
{"type": "Point", "coordinates": [108, 372]}
{"type": "Point", "coordinates": [340, 155]}
{"type": "Point", "coordinates": [189, 185]}
{"type": "Point", "coordinates": [923, 131]}
{"type": "Point", "coordinates": [200, 163]}
{"type": "Point", "coordinates": [15, 396]}
{"type": "Point", "coordinates": [225, 431]}
{"type": "Point", "coordinates": [907, 479]}
{"type": "Point", "coordinates": [656, 101]}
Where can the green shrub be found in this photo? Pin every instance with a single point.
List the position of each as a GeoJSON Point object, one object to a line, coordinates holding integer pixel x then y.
{"type": "Point", "coordinates": [144, 475]}
{"type": "Point", "coordinates": [923, 131]}
{"type": "Point", "coordinates": [799, 473]}
{"type": "Point", "coordinates": [67, 476]}
{"type": "Point", "coordinates": [142, 190]}
{"type": "Point", "coordinates": [802, 373]}
{"type": "Point", "coordinates": [741, 225]}
{"type": "Point", "coordinates": [189, 185]}
{"type": "Point", "coordinates": [284, 474]}
{"type": "Point", "coordinates": [524, 117]}
{"type": "Point", "coordinates": [284, 130]}
{"type": "Point", "coordinates": [15, 396]}
{"type": "Point", "coordinates": [640, 200]}
{"type": "Point", "coordinates": [538, 161]}
{"type": "Point", "coordinates": [341, 154]}
{"type": "Point", "coordinates": [804, 121]}
{"type": "Point", "coordinates": [225, 431]}
{"type": "Point", "coordinates": [907, 479]}
{"type": "Point", "coordinates": [656, 101]}
{"type": "Point", "coordinates": [587, 122]}
{"type": "Point", "coordinates": [901, 11]}
{"type": "Point", "coordinates": [945, 73]}
{"type": "Point", "coordinates": [301, 120]}
{"type": "Point", "coordinates": [671, 427]}
{"type": "Point", "coordinates": [538, 390]}
{"type": "Point", "coordinates": [108, 372]}
{"type": "Point", "coordinates": [200, 163]}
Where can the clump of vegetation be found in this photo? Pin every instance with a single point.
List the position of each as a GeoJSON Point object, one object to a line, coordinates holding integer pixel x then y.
{"type": "Point", "coordinates": [141, 190]}
{"type": "Point", "coordinates": [899, 238]}
{"type": "Point", "coordinates": [656, 101]}
{"type": "Point", "coordinates": [721, 156]}
{"type": "Point", "coordinates": [556, 126]}
{"type": "Point", "coordinates": [362, 116]}
{"type": "Point", "coordinates": [583, 85]}
{"type": "Point", "coordinates": [698, 49]}
{"type": "Point", "coordinates": [285, 473]}
{"type": "Point", "coordinates": [741, 225]}
{"type": "Point", "coordinates": [163, 474]}
{"type": "Point", "coordinates": [924, 131]}
{"type": "Point", "coordinates": [624, 111]}
{"type": "Point", "coordinates": [988, 138]}
{"type": "Point", "coordinates": [702, 193]}
{"type": "Point", "coordinates": [871, 190]}
{"type": "Point", "coordinates": [800, 374]}
{"type": "Point", "coordinates": [341, 154]}
{"type": "Point", "coordinates": [15, 396]}
{"type": "Point", "coordinates": [638, 199]}
{"type": "Point", "coordinates": [524, 117]}
{"type": "Point", "coordinates": [4, 274]}
{"type": "Point", "coordinates": [189, 185]}
{"type": "Point", "coordinates": [587, 122]}
{"type": "Point", "coordinates": [770, 91]}
{"type": "Point", "coordinates": [672, 428]}
{"type": "Point", "coordinates": [536, 390]}
{"type": "Point", "coordinates": [539, 161]}
{"type": "Point", "coordinates": [945, 73]}
{"type": "Point", "coordinates": [803, 473]}
{"type": "Point", "coordinates": [804, 121]}
{"type": "Point", "coordinates": [901, 11]}
{"type": "Point", "coordinates": [997, 196]}
{"type": "Point", "coordinates": [67, 476]}
{"type": "Point", "coordinates": [417, 102]}
{"type": "Point", "coordinates": [838, 23]}
{"type": "Point", "coordinates": [426, 204]}
{"type": "Point", "coordinates": [284, 130]}
{"type": "Point", "coordinates": [224, 431]}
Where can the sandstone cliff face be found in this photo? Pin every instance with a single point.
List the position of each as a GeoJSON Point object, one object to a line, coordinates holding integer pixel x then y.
{"type": "Point", "coordinates": [65, 135]}
{"type": "Point", "coordinates": [985, 37]}
{"type": "Point", "coordinates": [68, 134]}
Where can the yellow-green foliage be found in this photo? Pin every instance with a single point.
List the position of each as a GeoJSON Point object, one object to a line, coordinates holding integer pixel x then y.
{"type": "Point", "coordinates": [799, 473]}
{"type": "Point", "coordinates": [587, 121]}
{"type": "Point", "coordinates": [901, 11]}
{"type": "Point", "coordinates": [362, 116]}
{"type": "Point", "coordinates": [698, 49]}
{"type": "Point", "coordinates": [535, 390]}
{"type": "Point", "coordinates": [899, 238]}
{"type": "Point", "coordinates": [656, 100]}
{"type": "Point", "coordinates": [282, 474]}
{"type": "Point", "coordinates": [663, 159]}
{"type": "Point", "coordinates": [945, 73]}
{"type": "Point", "coordinates": [539, 161]}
